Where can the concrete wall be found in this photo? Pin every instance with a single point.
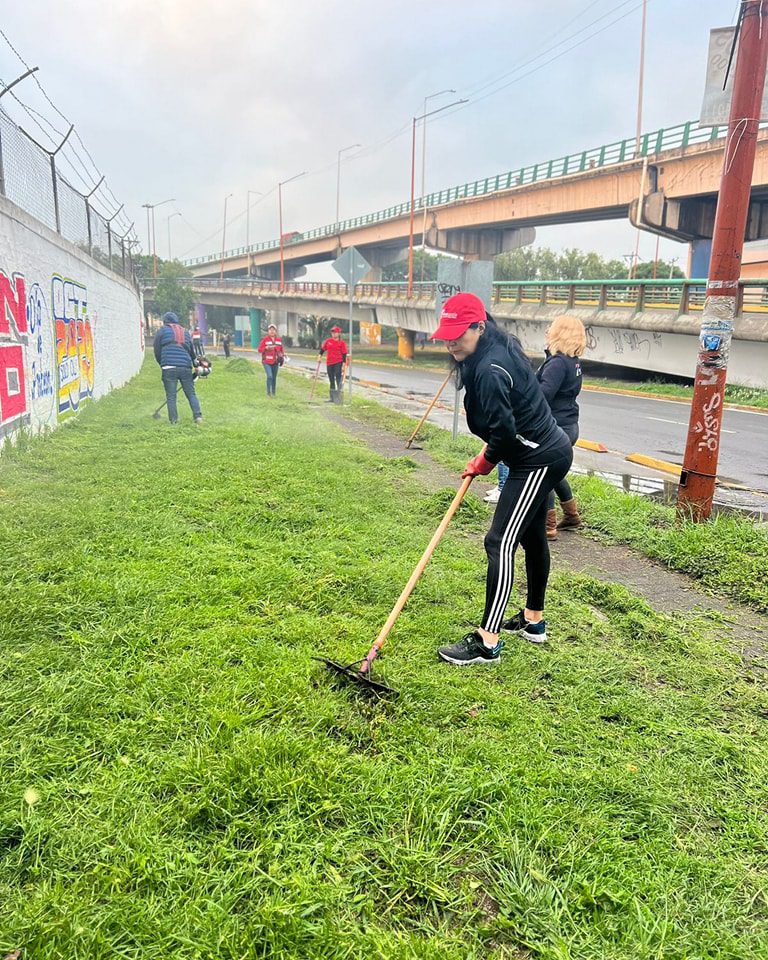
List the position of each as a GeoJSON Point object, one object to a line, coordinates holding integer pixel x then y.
{"type": "Point", "coordinates": [70, 329]}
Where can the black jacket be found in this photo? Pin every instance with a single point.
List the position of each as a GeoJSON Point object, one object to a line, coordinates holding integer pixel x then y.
{"type": "Point", "coordinates": [505, 405]}
{"type": "Point", "coordinates": [560, 379]}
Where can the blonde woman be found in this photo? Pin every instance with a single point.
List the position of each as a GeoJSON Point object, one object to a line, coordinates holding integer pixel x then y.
{"type": "Point", "coordinates": [560, 379]}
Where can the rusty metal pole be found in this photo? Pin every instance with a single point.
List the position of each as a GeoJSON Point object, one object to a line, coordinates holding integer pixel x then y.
{"type": "Point", "coordinates": [699, 473]}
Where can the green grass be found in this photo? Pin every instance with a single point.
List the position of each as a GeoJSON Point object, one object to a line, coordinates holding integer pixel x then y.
{"type": "Point", "coordinates": [181, 780]}
{"type": "Point", "coordinates": [729, 554]}
{"type": "Point", "coordinates": [747, 396]}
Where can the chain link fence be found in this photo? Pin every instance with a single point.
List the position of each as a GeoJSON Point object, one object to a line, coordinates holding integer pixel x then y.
{"type": "Point", "coordinates": [29, 178]}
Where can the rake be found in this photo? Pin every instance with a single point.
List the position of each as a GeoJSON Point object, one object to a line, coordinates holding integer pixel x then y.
{"type": "Point", "coordinates": [314, 380]}
{"type": "Point", "coordinates": [428, 411]}
{"type": "Point", "coordinates": [360, 672]}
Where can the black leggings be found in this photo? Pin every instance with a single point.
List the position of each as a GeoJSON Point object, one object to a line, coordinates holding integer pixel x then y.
{"type": "Point", "coordinates": [334, 375]}
{"type": "Point", "coordinates": [563, 489]}
{"type": "Point", "coordinates": [520, 518]}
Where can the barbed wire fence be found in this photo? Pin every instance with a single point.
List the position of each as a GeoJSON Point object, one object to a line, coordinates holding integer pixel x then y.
{"type": "Point", "coordinates": [31, 177]}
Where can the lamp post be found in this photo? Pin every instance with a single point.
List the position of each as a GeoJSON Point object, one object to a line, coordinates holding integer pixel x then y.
{"type": "Point", "coordinates": [280, 186]}
{"type": "Point", "coordinates": [256, 193]}
{"type": "Point", "coordinates": [151, 206]}
{"type": "Point", "coordinates": [413, 185]}
{"type": "Point", "coordinates": [224, 234]}
{"type": "Point", "coordinates": [338, 175]}
{"type": "Point", "coordinates": [168, 226]}
{"type": "Point", "coordinates": [431, 96]}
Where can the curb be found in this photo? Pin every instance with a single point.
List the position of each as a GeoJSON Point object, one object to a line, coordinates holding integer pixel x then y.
{"type": "Point", "coordinates": [646, 394]}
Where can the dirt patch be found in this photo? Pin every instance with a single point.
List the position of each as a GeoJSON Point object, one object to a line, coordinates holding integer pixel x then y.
{"type": "Point", "coordinates": [665, 590]}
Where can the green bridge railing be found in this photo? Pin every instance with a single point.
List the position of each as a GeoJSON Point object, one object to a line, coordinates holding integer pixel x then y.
{"type": "Point", "coordinates": [657, 141]}
{"type": "Point", "coordinates": [681, 296]}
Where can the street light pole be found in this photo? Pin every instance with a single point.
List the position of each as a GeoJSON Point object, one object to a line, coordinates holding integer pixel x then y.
{"type": "Point", "coordinates": [413, 186]}
{"type": "Point", "coordinates": [168, 225]}
{"type": "Point", "coordinates": [280, 186]}
{"type": "Point", "coordinates": [151, 247]}
{"type": "Point", "coordinates": [224, 234]}
{"type": "Point", "coordinates": [338, 176]}
{"type": "Point", "coordinates": [431, 96]}
{"type": "Point", "coordinates": [248, 224]}
{"type": "Point", "coordinates": [721, 304]}
{"type": "Point", "coordinates": [641, 80]}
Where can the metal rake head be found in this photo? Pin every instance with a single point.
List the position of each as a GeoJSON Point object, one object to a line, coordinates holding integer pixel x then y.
{"type": "Point", "coordinates": [364, 681]}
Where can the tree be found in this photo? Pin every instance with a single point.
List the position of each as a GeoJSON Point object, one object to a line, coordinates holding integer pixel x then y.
{"type": "Point", "coordinates": [541, 263]}
{"type": "Point", "coordinates": [664, 270]}
{"type": "Point", "coordinates": [398, 272]}
{"type": "Point", "coordinates": [172, 293]}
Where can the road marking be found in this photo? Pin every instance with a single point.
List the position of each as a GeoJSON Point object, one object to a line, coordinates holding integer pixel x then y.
{"type": "Point", "coordinates": [680, 423]}
{"type": "Point", "coordinates": [662, 420]}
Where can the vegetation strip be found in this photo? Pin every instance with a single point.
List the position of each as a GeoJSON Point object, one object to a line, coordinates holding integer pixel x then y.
{"type": "Point", "coordinates": [179, 782]}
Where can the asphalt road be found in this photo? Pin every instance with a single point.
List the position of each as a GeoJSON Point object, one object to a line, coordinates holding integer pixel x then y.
{"type": "Point", "coordinates": [625, 424]}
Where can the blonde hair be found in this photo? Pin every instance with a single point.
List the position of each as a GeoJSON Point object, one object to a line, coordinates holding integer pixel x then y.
{"type": "Point", "coordinates": [567, 335]}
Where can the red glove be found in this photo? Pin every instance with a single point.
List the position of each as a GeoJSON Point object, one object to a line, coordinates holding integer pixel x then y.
{"type": "Point", "coordinates": [478, 466]}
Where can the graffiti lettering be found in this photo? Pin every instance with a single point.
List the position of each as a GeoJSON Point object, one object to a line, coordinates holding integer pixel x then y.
{"type": "Point", "coordinates": [13, 337]}
{"type": "Point", "coordinates": [618, 343]}
{"type": "Point", "coordinates": [710, 428]}
{"type": "Point", "coordinates": [13, 304]}
{"type": "Point", "coordinates": [74, 344]}
{"type": "Point", "coordinates": [592, 341]}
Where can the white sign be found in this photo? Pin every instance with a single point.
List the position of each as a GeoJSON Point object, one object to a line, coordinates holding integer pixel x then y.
{"type": "Point", "coordinates": [716, 108]}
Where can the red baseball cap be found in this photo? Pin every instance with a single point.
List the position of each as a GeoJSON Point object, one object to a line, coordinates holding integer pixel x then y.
{"type": "Point", "coordinates": [335, 329]}
{"type": "Point", "coordinates": [459, 312]}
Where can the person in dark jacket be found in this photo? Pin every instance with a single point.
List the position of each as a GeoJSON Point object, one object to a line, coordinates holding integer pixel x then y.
{"type": "Point", "coordinates": [226, 342]}
{"type": "Point", "coordinates": [174, 352]}
{"type": "Point", "coordinates": [506, 408]}
{"type": "Point", "coordinates": [560, 379]}
{"type": "Point", "coordinates": [336, 348]}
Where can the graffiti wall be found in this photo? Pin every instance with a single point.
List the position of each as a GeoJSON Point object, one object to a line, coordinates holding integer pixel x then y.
{"type": "Point", "coordinates": [70, 330]}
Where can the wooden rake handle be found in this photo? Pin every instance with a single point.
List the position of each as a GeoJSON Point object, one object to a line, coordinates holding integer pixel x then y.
{"type": "Point", "coordinates": [314, 379]}
{"type": "Point", "coordinates": [420, 566]}
{"type": "Point", "coordinates": [429, 408]}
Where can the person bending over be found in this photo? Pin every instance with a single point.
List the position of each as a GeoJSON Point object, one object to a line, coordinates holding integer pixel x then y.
{"type": "Point", "coordinates": [505, 407]}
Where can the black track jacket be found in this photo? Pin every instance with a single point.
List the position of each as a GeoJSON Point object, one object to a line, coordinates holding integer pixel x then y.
{"type": "Point", "coordinates": [506, 408]}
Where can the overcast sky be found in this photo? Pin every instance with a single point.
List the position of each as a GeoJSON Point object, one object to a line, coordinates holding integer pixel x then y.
{"type": "Point", "coordinates": [199, 99]}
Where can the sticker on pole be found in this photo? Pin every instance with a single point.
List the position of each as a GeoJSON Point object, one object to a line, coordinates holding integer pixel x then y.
{"type": "Point", "coordinates": [351, 266]}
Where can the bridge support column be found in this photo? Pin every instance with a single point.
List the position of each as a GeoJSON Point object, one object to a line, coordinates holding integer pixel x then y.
{"type": "Point", "coordinates": [292, 327]}
{"type": "Point", "coordinates": [405, 343]}
{"type": "Point", "coordinates": [255, 316]}
{"type": "Point", "coordinates": [700, 252]}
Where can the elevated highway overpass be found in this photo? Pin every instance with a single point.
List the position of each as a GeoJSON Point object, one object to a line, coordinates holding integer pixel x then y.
{"type": "Point", "coordinates": [668, 187]}
{"type": "Point", "coordinates": [650, 325]}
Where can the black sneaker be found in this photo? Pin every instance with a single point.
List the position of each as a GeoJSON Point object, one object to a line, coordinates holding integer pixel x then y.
{"type": "Point", "coordinates": [470, 650]}
{"type": "Point", "coordinates": [534, 632]}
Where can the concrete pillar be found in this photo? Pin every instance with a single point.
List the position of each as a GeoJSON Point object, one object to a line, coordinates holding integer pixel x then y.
{"type": "Point", "coordinates": [255, 315]}
{"type": "Point", "coordinates": [200, 320]}
{"type": "Point", "coordinates": [699, 255]}
{"type": "Point", "coordinates": [405, 342]}
{"type": "Point", "coordinates": [292, 327]}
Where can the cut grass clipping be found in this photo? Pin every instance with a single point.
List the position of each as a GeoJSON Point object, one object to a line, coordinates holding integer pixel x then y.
{"type": "Point", "coordinates": [729, 554]}
{"type": "Point", "coordinates": [180, 781]}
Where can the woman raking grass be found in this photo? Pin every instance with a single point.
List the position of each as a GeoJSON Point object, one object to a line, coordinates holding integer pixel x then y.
{"type": "Point", "coordinates": [505, 407]}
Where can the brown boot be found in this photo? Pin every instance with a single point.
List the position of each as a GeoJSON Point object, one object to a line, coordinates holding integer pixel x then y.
{"type": "Point", "coordinates": [551, 524]}
{"type": "Point", "coordinates": [571, 518]}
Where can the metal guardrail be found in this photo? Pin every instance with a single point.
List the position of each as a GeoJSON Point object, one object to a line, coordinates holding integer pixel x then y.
{"type": "Point", "coordinates": [681, 296]}
{"type": "Point", "coordinates": [610, 154]}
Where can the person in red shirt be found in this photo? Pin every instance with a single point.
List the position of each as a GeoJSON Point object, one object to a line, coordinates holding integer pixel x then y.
{"type": "Point", "coordinates": [337, 352]}
{"type": "Point", "coordinates": [272, 357]}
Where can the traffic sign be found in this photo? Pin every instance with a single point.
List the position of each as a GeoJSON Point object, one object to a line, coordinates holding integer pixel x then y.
{"type": "Point", "coordinates": [351, 266]}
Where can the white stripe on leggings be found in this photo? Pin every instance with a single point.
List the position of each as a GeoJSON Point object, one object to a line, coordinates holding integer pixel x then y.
{"type": "Point", "coordinates": [506, 557]}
